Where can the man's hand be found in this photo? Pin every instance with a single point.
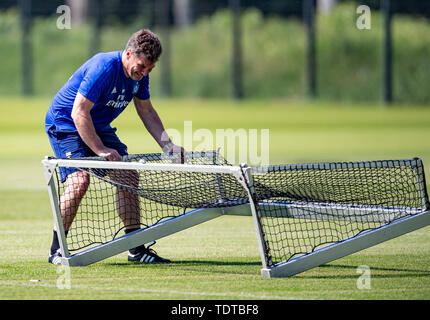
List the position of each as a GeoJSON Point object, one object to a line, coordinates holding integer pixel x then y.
{"type": "Point", "coordinates": [110, 154]}
{"type": "Point", "coordinates": [170, 147]}
{"type": "Point", "coordinates": [82, 118]}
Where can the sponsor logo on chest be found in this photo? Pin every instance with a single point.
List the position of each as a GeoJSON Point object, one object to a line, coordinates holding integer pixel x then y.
{"type": "Point", "coordinates": [120, 101]}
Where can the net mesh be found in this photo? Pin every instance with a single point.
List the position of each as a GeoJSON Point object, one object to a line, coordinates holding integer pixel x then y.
{"type": "Point", "coordinates": [300, 208]}
{"type": "Point", "coordinates": [305, 207]}
{"type": "Point", "coordinates": [118, 199]}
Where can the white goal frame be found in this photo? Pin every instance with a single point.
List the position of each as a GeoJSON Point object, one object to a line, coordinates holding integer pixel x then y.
{"type": "Point", "coordinates": [128, 241]}
{"type": "Point", "coordinates": [244, 176]}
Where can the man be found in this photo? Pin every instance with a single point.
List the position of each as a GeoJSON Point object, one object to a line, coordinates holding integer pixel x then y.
{"type": "Point", "coordinates": [78, 125]}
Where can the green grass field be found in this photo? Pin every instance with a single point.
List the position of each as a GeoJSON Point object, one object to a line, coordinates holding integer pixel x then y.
{"type": "Point", "coordinates": [218, 259]}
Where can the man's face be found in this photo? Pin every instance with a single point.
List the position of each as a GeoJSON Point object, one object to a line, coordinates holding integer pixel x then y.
{"type": "Point", "coordinates": [136, 66]}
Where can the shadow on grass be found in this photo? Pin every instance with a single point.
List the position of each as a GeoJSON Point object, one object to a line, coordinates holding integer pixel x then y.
{"type": "Point", "coordinates": [232, 268]}
{"type": "Point", "coordinates": [384, 272]}
{"type": "Point", "coordinates": [193, 262]}
{"type": "Point", "coordinates": [228, 267]}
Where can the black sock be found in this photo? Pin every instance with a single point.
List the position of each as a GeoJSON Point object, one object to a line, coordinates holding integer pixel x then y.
{"type": "Point", "coordinates": [130, 230]}
{"type": "Point", "coordinates": [137, 249]}
{"type": "Point", "coordinates": [55, 244]}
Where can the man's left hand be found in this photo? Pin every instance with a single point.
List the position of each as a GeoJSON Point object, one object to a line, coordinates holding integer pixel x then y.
{"type": "Point", "coordinates": [176, 150]}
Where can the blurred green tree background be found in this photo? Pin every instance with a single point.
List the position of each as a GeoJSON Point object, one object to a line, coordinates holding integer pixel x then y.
{"type": "Point", "coordinates": [349, 61]}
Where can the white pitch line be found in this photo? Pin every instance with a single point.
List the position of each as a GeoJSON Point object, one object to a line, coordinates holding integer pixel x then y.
{"type": "Point", "coordinates": [145, 290]}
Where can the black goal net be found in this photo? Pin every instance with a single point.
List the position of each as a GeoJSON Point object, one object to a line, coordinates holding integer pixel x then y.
{"type": "Point", "coordinates": [299, 208]}
{"type": "Point", "coordinates": [117, 199]}
{"type": "Point", "coordinates": [305, 207]}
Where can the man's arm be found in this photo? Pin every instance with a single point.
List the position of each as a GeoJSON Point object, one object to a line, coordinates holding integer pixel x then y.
{"type": "Point", "coordinates": [153, 124]}
{"type": "Point", "coordinates": [84, 124]}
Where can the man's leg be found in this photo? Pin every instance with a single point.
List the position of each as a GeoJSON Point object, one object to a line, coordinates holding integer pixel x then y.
{"type": "Point", "coordinates": [128, 207]}
{"type": "Point", "coordinates": [127, 203]}
{"type": "Point", "coordinates": [76, 185]}
{"type": "Point", "coordinates": [66, 145]}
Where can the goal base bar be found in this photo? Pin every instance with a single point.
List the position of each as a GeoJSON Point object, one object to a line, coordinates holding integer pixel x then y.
{"type": "Point", "coordinates": [338, 250]}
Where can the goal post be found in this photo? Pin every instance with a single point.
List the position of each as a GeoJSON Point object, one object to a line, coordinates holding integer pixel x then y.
{"type": "Point", "coordinates": [305, 215]}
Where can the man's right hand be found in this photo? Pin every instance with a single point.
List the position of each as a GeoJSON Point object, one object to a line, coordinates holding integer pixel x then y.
{"type": "Point", "coordinates": [82, 118]}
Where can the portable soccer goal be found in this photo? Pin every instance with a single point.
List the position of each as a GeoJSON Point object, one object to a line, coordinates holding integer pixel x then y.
{"type": "Point", "coordinates": [305, 215]}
